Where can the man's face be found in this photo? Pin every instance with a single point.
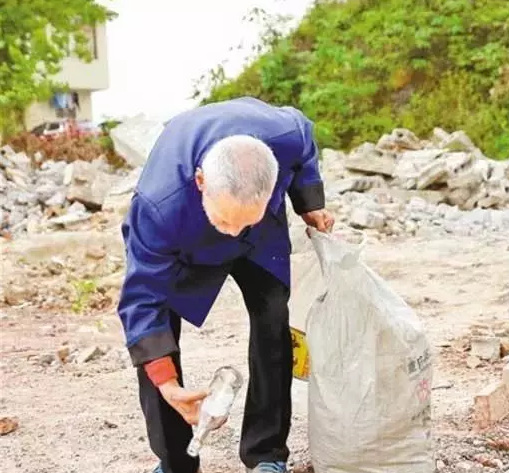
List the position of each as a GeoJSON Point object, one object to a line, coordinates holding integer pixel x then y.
{"type": "Point", "coordinates": [230, 217]}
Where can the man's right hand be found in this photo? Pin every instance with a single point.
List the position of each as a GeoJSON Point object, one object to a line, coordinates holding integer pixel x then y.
{"type": "Point", "coordinates": [186, 403]}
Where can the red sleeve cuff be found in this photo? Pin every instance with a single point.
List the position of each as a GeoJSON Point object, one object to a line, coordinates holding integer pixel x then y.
{"type": "Point", "coordinates": [161, 370]}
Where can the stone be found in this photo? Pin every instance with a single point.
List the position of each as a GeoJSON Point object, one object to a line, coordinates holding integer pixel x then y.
{"type": "Point", "coordinates": [457, 162]}
{"type": "Point", "coordinates": [95, 252]}
{"type": "Point", "coordinates": [56, 200]}
{"type": "Point", "coordinates": [458, 141]}
{"type": "Point", "coordinates": [63, 354]}
{"type": "Point", "coordinates": [358, 184]}
{"type": "Point", "coordinates": [46, 360]}
{"type": "Point", "coordinates": [464, 467]}
{"type": "Point", "coordinates": [20, 160]}
{"type": "Point", "coordinates": [491, 405]}
{"type": "Point", "coordinates": [3, 182]}
{"type": "Point", "coordinates": [19, 177]}
{"type": "Point", "coordinates": [433, 173]}
{"type": "Point", "coordinates": [458, 196]}
{"type": "Point", "coordinates": [473, 362]}
{"type": "Point", "coordinates": [469, 179]}
{"type": "Point", "coordinates": [70, 219]}
{"type": "Point", "coordinates": [16, 295]}
{"type": "Point", "coordinates": [7, 151]}
{"type": "Point", "coordinates": [46, 191]}
{"type": "Point", "coordinates": [135, 137]}
{"type": "Point", "coordinates": [127, 184]}
{"type": "Point", "coordinates": [486, 348]}
{"type": "Point", "coordinates": [364, 218]}
{"type": "Point", "coordinates": [399, 139]}
{"type": "Point", "coordinates": [504, 347]}
{"type": "Point", "coordinates": [89, 186]}
{"type": "Point", "coordinates": [431, 196]}
{"type": "Point", "coordinates": [439, 135]}
{"type": "Point", "coordinates": [410, 164]}
{"type": "Point", "coordinates": [68, 173]}
{"type": "Point", "coordinates": [440, 465]}
{"type": "Point", "coordinates": [366, 158]}
{"type": "Point", "coordinates": [89, 354]}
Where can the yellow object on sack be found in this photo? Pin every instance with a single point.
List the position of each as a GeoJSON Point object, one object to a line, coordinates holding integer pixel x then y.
{"type": "Point", "coordinates": [300, 354]}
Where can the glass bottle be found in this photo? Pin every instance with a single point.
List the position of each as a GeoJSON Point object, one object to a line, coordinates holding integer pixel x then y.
{"type": "Point", "coordinates": [215, 408]}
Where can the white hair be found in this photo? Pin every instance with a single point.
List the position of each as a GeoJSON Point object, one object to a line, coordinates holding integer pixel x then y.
{"type": "Point", "coordinates": [242, 166]}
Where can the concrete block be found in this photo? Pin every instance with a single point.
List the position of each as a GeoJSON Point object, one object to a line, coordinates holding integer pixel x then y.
{"type": "Point", "coordinates": [505, 376]}
{"type": "Point", "coordinates": [486, 348]}
{"type": "Point", "coordinates": [491, 405]}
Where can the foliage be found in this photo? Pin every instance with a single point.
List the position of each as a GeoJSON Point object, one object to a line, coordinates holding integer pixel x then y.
{"type": "Point", "coordinates": [65, 148]}
{"type": "Point", "coordinates": [35, 36]}
{"type": "Point", "coordinates": [84, 289]}
{"type": "Point", "coordinates": [361, 68]}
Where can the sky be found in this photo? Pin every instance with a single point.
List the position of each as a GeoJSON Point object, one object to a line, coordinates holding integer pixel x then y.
{"type": "Point", "coordinates": [157, 48]}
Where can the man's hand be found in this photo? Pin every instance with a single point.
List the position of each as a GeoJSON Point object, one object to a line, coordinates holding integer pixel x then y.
{"type": "Point", "coordinates": [186, 403]}
{"type": "Point", "coordinates": [322, 220]}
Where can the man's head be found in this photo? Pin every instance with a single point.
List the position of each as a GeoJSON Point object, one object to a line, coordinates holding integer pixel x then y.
{"type": "Point", "coordinates": [237, 178]}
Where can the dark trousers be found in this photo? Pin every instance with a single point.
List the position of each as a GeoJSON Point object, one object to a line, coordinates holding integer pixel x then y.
{"type": "Point", "coordinates": [268, 403]}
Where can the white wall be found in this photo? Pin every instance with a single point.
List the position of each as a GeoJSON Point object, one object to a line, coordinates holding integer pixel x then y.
{"type": "Point", "coordinates": [42, 111]}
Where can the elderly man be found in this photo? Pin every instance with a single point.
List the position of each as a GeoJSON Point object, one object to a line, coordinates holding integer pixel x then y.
{"type": "Point", "coordinates": [211, 203]}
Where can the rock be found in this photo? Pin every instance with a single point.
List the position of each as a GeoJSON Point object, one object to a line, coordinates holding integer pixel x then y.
{"type": "Point", "coordinates": [56, 200]}
{"type": "Point", "coordinates": [439, 135]}
{"type": "Point", "coordinates": [8, 425]}
{"type": "Point", "coordinates": [68, 173]}
{"type": "Point", "coordinates": [366, 158]}
{"type": "Point", "coordinates": [16, 295]}
{"type": "Point", "coordinates": [469, 179]}
{"type": "Point", "coordinates": [46, 191]}
{"type": "Point", "coordinates": [3, 182]}
{"type": "Point", "coordinates": [434, 172]}
{"type": "Point", "coordinates": [89, 186]}
{"type": "Point", "coordinates": [491, 405]}
{"type": "Point", "coordinates": [399, 139]}
{"type": "Point", "coordinates": [458, 141]}
{"type": "Point", "coordinates": [458, 196]}
{"type": "Point", "coordinates": [135, 137]}
{"type": "Point", "coordinates": [464, 467]}
{"type": "Point", "coordinates": [6, 151]}
{"type": "Point", "coordinates": [89, 354]}
{"type": "Point", "coordinates": [358, 184]}
{"type": "Point", "coordinates": [486, 348]}
{"type": "Point", "coordinates": [70, 219]}
{"type": "Point", "coordinates": [20, 160]}
{"type": "Point", "coordinates": [63, 354]}
{"type": "Point", "coordinates": [440, 465]}
{"type": "Point", "coordinates": [364, 218]}
{"type": "Point", "coordinates": [95, 252]}
{"type": "Point", "coordinates": [504, 347]}
{"type": "Point", "coordinates": [20, 178]}
{"type": "Point", "coordinates": [128, 183]}
{"type": "Point", "coordinates": [473, 362]}
{"type": "Point", "coordinates": [431, 196]}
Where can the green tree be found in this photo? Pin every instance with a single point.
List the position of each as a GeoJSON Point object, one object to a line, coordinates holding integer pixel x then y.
{"type": "Point", "coordinates": [363, 67]}
{"type": "Point", "coordinates": [35, 36]}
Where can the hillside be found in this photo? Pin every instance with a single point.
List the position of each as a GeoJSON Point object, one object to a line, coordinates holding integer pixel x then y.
{"type": "Point", "coordinates": [360, 69]}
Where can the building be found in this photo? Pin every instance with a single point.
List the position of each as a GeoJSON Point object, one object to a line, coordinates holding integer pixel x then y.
{"type": "Point", "coordinates": [82, 78]}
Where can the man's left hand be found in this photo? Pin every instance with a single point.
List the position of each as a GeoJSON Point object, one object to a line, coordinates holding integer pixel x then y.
{"type": "Point", "coordinates": [321, 219]}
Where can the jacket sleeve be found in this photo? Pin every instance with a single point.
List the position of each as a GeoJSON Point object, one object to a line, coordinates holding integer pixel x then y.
{"type": "Point", "coordinates": [143, 307]}
{"type": "Point", "coordinates": [306, 190]}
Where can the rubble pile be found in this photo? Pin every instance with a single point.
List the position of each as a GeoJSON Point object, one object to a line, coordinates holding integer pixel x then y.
{"type": "Point", "coordinates": [448, 168]}
{"type": "Point", "coordinates": [55, 194]}
{"type": "Point", "coordinates": [405, 185]}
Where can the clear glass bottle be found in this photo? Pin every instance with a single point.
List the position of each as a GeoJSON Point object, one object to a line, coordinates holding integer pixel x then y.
{"type": "Point", "coordinates": [215, 408]}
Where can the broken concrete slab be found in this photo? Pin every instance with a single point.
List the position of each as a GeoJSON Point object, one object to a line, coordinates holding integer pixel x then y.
{"type": "Point", "coordinates": [16, 295]}
{"type": "Point", "coordinates": [486, 348]}
{"type": "Point", "coordinates": [358, 184]}
{"type": "Point", "coordinates": [469, 179]}
{"type": "Point", "coordinates": [135, 137]}
{"type": "Point", "coordinates": [367, 159]}
{"type": "Point", "coordinates": [88, 186]}
{"type": "Point", "coordinates": [364, 218]}
{"type": "Point", "coordinates": [432, 196]}
{"type": "Point", "coordinates": [434, 172]}
{"type": "Point", "coordinates": [399, 139]}
{"type": "Point", "coordinates": [89, 354]}
{"type": "Point", "coordinates": [458, 141]}
{"type": "Point", "coordinates": [505, 375]}
{"type": "Point", "coordinates": [491, 405]}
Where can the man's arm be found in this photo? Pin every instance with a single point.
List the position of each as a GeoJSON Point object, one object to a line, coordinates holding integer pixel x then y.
{"type": "Point", "coordinates": [143, 302]}
{"type": "Point", "coordinates": [306, 190]}
{"type": "Point", "coordinates": [143, 307]}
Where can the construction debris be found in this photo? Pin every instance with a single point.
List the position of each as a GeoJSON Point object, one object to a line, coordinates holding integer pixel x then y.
{"type": "Point", "coordinates": [56, 194]}
{"type": "Point", "coordinates": [449, 163]}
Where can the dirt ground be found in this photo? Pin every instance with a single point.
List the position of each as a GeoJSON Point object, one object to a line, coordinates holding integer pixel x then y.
{"type": "Point", "coordinates": [85, 417]}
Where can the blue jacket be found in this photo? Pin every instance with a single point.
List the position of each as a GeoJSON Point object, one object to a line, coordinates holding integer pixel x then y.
{"type": "Point", "coordinates": [176, 260]}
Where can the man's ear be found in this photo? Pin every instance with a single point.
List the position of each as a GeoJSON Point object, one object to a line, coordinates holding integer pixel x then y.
{"type": "Point", "coordinates": [199, 178]}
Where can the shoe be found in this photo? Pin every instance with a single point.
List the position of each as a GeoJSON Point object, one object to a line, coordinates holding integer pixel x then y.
{"type": "Point", "coordinates": [269, 467]}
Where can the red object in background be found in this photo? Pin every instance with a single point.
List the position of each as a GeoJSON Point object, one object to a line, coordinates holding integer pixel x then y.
{"type": "Point", "coordinates": [70, 128]}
